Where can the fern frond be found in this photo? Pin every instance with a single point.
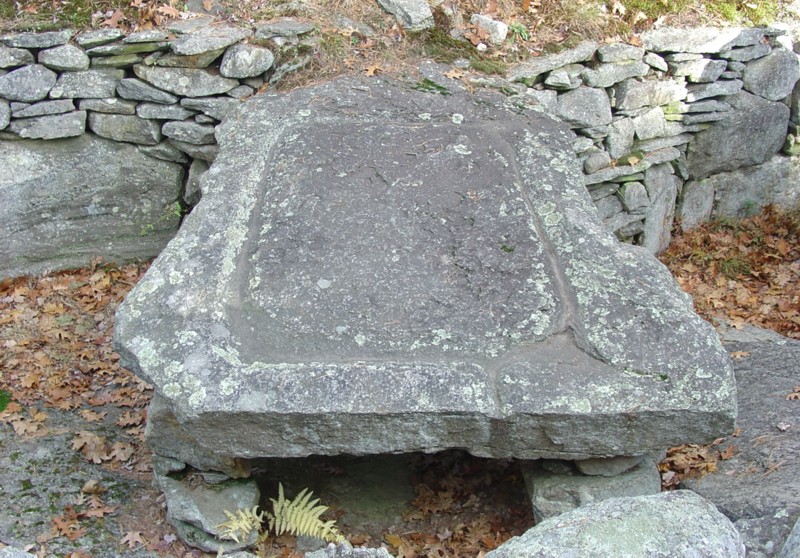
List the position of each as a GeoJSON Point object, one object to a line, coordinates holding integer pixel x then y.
{"type": "Point", "coordinates": [241, 523]}
{"type": "Point", "coordinates": [301, 516]}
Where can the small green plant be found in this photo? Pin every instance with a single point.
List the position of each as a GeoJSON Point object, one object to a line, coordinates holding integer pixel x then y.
{"type": "Point", "coordinates": [733, 267]}
{"type": "Point", "coordinates": [299, 516]}
{"type": "Point", "coordinates": [429, 86]}
{"type": "Point", "coordinates": [5, 399]}
{"type": "Point", "coordinates": [518, 31]}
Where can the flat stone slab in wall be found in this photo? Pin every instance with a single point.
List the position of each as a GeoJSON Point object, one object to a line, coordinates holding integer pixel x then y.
{"type": "Point", "coordinates": [378, 269]}
{"type": "Point", "coordinates": [68, 201]}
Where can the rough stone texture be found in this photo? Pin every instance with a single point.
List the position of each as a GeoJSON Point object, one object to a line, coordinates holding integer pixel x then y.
{"type": "Point", "coordinates": [609, 466]}
{"type": "Point", "coordinates": [619, 140]}
{"type": "Point", "coordinates": [663, 525]}
{"type": "Point", "coordinates": [189, 132]}
{"type": "Point", "coordinates": [287, 27]}
{"type": "Point", "coordinates": [46, 194]}
{"type": "Point", "coordinates": [122, 127]}
{"type": "Point", "coordinates": [193, 191]}
{"type": "Point", "coordinates": [496, 30]}
{"type": "Point", "coordinates": [762, 499]}
{"type": "Point", "coordinates": [651, 124]}
{"type": "Point", "coordinates": [9, 552]}
{"type": "Point", "coordinates": [702, 40]}
{"type": "Point", "coordinates": [5, 114]}
{"type": "Point", "coordinates": [147, 36]}
{"type": "Point", "coordinates": [584, 107]}
{"type": "Point", "coordinates": [50, 127]}
{"type": "Point", "coordinates": [164, 151]}
{"type": "Point", "coordinates": [158, 111]}
{"type": "Point", "coordinates": [703, 70]}
{"type": "Point", "coordinates": [201, 60]}
{"type": "Point", "coordinates": [65, 57]}
{"type": "Point", "coordinates": [91, 84]}
{"type": "Point", "coordinates": [244, 61]}
{"type": "Point", "coordinates": [633, 93]}
{"type": "Point", "coordinates": [619, 52]}
{"type": "Point", "coordinates": [662, 189]}
{"type": "Point", "coordinates": [196, 511]}
{"type": "Point", "coordinates": [413, 15]}
{"type": "Point", "coordinates": [186, 82]}
{"type": "Point", "coordinates": [208, 39]}
{"type": "Point", "coordinates": [112, 105]}
{"type": "Point", "coordinates": [215, 107]}
{"type": "Point", "coordinates": [98, 37]}
{"type": "Point", "coordinates": [138, 90]}
{"type": "Point", "coordinates": [744, 192]}
{"type": "Point", "coordinates": [729, 144]}
{"type": "Point", "coordinates": [700, 91]}
{"type": "Point", "coordinates": [696, 203]}
{"type": "Point", "coordinates": [27, 84]}
{"type": "Point", "coordinates": [656, 62]}
{"type": "Point", "coordinates": [122, 49]}
{"type": "Point", "coordinates": [634, 196]}
{"type": "Point", "coordinates": [554, 493]}
{"type": "Point", "coordinates": [120, 61]}
{"type": "Point", "coordinates": [13, 57]}
{"type": "Point", "coordinates": [607, 75]}
{"type": "Point", "coordinates": [791, 547]}
{"type": "Point", "coordinates": [745, 54]}
{"type": "Point", "coordinates": [43, 108]}
{"type": "Point", "coordinates": [772, 77]}
{"type": "Point", "coordinates": [402, 355]}
{"type": "Point", "coordinates": [206, 152]}
{"type": "Point", "coordinates": [46, 39]}
{"type": "Point", "coordinates": [534, 67]}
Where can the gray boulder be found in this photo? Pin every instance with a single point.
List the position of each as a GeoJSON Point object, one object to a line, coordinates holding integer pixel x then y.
{"type": "Point", "coordinates": [606, 75]}
{"type": "Point", "coordinates": [746, 54]}
{"type": "Point", "coordinates": [97, 37]}
{"type": "Point", "coordinates": [697, 92]}
{"type": "Point", "coordinates": [209, 38]}
{"type": "Point", "coordinates": [27, 84]}
{"type": "Point", "coordinates": [13, 57]}
{"type": "Point", "coordinates": [662, 191]}
{"type": "Point", "coordinates": [91, 84]}
{"type": "Point", "coordinates": [774, 76]}
{"type": "Point", "coordinates": [190, 132]}
{"type": "Point", "coordinates": [293, 354]}
{"type": "Point", "coordinates": [663, 525]}
{"type": "Point", "coordinates": [728, 144]}
{"type": "Point", "coordinates": [138, 90]}
{"type": "Point", "coordinates": [634, 93]}
{"type": "Point", "coordinates": [703, 70]}
{"type": "Point", "coordinates": [50, 127]}
{"type": "Point", "coordinates": [157, 111]}
{"type": "Point", "coordinates": [45, 39]}
{"type": "Point", "coordinates": [186, 82]}
{"type": "Point", "coordinates": [531, 69]}
{"type": "Point", "coordinates": [345, 550]}
{"type": "Point", "coordinates": [123, 127]}
{"type": "Point", "coordinates": [112, 105]}
{"type": "Point", "coordinates": [65, 57]}
{"type": "Point", "coordinates": [584, 107]}
{"type": "Point", "coordinates": [99, 198]}
{"type": "Point", "coordinates": [285, 27]}
{"type": "Point", "coordinates": [244, 61]}
{"type": "Point", "coordinates": [619, 52]}
{"type": "Point", "coordinates": [43, 108]}
{"type": "Point", "coordinates": [215, 107]}
{"type": "Point", "coordinates": [696, 203]}
{"type": "Point", "coordinates": [745, 192]}
{"type": "Point", "coordinates": [5, 114]}
{"type": "Point", "coordinates": [703, 40]}
{"type": "Point", "coordinates": [413, 15]}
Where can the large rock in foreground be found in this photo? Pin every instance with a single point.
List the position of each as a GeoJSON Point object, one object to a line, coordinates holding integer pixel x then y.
{"type": "Point", "coordinates": [66, 202]}
{"type": "Point", "coordinates": [377, 269]}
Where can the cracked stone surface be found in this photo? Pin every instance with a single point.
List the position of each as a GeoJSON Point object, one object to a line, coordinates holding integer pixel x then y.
{"type": "Point", "coordinates": [377, 269]}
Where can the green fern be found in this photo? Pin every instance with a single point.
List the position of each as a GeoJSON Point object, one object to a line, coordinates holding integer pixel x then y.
{"type": "Point", "coordinates": [301, 517]}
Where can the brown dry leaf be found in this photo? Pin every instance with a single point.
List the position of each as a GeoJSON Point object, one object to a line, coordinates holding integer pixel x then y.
{"type": "Point", "coordinates": [114, 20]}
{"type": "Point", "coordinates": [93, 487]}
{"type": "Point", "coordinates": [122, 451]}
{"type": "Point", "coordinates": [526, 5]}
{"type": "Point", "coordinates": [133, 540]}
{"type": "Point", "coordinates": [92, 416]}
{"type": "Point", "coordinates": [455, 73]}
{"type": "Point", "coordinates": [168, 11]}
{"type": "Point", "coordinates": [31, 9]}
{"type": "Point", "coordinates": [795, 394]}
{"type": "Point", "coordinates": [727, 453]}
{"type": "Point", "coordinates": [393, 540]}
{"type": "Point", "coordinates": [738, 355]}
{"type": "Point", "coordinates": [373, 70]}
{"type": "Point", "coordinates": [208, 4]}
{"type": "Point", "coordinates": [636, 41]}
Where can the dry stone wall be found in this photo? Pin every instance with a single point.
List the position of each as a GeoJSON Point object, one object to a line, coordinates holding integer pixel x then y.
{"type": "Point", "coordinates": [692, 124]}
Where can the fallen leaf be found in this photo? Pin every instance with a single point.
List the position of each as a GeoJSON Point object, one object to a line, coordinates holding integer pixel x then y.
{"type": "Point", "coordinates": [93, 487]}
{"type": "Point", "coordinates": [208, 4]}
{"type": "Point", "coordinates": [168, 11]}
{"type": "Point", "coordinates": [795, 394]}
{"type": "Point", "coordinates": [455, 73]}
{"type": "Point", "coordinates": [738, 355]}
{"type": "Point", "coordinates": [727, 453]}
{"type": "Point", "coordinates": [373, 70]}
{"type": "Point", "coordinates": [133, 539]}
{"type": "Point", "coordinates": [114, 19]}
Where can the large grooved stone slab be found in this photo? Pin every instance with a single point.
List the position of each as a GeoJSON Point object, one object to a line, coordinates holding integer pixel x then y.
{"type": "Point", "coordinates": [376, 269]}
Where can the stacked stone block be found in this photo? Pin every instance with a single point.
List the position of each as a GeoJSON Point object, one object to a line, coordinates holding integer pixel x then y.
{"type": "Point", "coordinates": [690, 124]}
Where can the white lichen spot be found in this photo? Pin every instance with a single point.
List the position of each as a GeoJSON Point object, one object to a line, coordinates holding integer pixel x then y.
{"type": "Point", "coordinates": [702, 374]}
{"type": "Point", "coordinates": [458, 118]}
{"type": "Point", "coordinates": [503, 209]}
{"type": "Point", "coordinates": [171, 390]}
{"type": "Point", "coordinates": [424, 116]}
{"type": "Point", "coordinates": [360, 339]}
{"type": "Point", "coordinates": [461, 149]}
{"type": "Point", "coordinates": [440, 335]}
{"type": "Point", "coordinates": [552, 219]}
{"type": "Point", "coordinates": [304, 113]}
{"type": "Point", "coordinates": [227, 387]}
{"type": "Point", "coordinates": [324, 284]}
{"type": "Point", "coordinates": [229, 355]}
{"type": "Point", "coordinates": [255, 282]}
{"type": "Point", "coordinates": [174, 277]}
